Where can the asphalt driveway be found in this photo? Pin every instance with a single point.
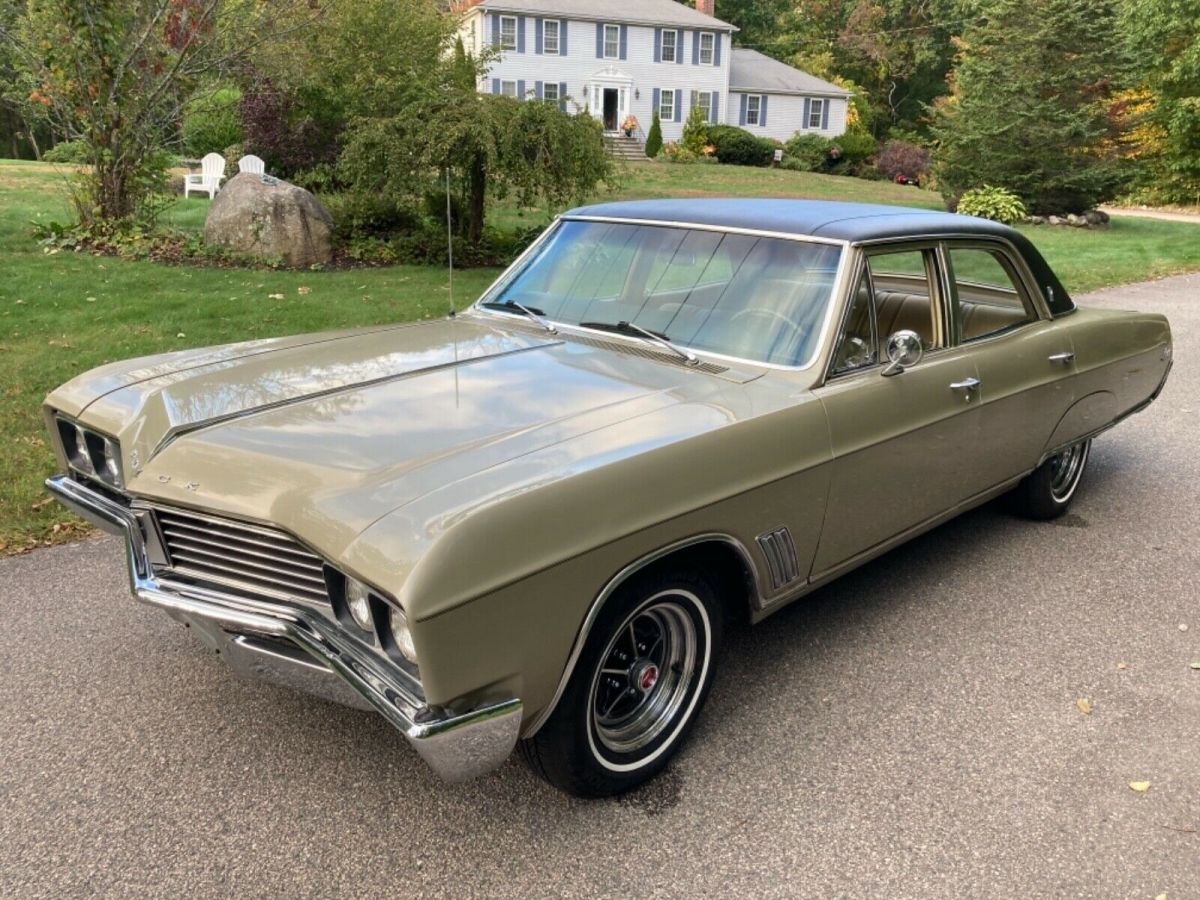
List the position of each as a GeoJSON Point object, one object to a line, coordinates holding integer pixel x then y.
{"type": "Point", "coordinates": [911, 731]}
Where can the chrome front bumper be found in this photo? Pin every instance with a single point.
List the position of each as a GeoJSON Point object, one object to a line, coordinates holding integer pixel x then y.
{"type": "Point", "coordinates": [306, 651]}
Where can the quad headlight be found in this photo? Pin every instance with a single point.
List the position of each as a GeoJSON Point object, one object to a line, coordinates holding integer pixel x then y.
{"type": "Point", "coordinates": [358, 603]}
{"type": "Point", "coordinates": [378, 617]}
{"type": "Point", "coordinates": [90, 453]}
{"type": "Point", "coordinates": [398, 625]}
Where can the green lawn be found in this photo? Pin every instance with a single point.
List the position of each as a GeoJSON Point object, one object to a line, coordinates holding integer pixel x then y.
{"type": "Point", "coordinates": [66, 312]}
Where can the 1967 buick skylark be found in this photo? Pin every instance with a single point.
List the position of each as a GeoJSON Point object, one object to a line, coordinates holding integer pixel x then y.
{"type": "Point", "coordinates": [527, 523]}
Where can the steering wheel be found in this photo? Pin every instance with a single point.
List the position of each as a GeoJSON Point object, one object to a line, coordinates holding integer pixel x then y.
{"type": "Point", "coordinates": [762, 311]}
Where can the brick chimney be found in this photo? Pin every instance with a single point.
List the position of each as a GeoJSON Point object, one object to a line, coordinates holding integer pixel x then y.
{"type": "Point", "coordinates": [707, 7]}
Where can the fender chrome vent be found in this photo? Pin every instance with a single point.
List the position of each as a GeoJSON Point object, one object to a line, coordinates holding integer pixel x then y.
{"type": "Point", "coordinates": [780, 551]}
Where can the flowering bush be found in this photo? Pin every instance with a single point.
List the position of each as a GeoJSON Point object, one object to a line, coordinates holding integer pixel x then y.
{"type": "Point", "coordinates": [902, 159]}
{"type": "Point", "coordinates": [630, 125]}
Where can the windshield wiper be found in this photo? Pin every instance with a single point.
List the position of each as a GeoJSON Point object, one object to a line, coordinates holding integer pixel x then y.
{"type": "Point", "coordinates": [536, 314]}
{"type": "Point", "coordinates": [639, 331]}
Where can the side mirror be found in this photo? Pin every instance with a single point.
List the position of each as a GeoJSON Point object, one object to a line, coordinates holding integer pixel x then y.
{"type": "Point", "coordinates": [904, 350]}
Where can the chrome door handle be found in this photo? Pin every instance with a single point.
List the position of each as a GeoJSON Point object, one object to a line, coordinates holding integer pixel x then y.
{"type": "Point", "coordinates": [1065, 357]}
{"type": "Point", "coordinates": [966, 386]}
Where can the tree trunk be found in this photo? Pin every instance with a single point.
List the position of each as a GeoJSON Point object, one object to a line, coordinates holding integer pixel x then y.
{"type": "Point", "coordinates": [476, 194]}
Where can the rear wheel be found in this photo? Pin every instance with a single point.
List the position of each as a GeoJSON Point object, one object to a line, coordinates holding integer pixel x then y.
{"type": "Point", "coordinates": [1047, 491]}
{"type": "Point", "coordinates": [637, 687]}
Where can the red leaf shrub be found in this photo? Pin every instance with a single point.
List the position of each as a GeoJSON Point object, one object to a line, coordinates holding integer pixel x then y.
{"type": "Point", "coordinates": [902, 158]}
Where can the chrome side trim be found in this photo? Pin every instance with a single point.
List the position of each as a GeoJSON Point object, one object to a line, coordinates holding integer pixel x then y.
{"type": "Point", "coordinates": [615, 582]}
{"type": "Point", "coordinates": [455, 745]}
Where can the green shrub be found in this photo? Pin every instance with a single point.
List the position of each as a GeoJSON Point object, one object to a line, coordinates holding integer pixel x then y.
{"type": "Point", "coordinates": [695, 132]}
{"type": "Point", "coordinates": [232, 154]}
{"type": "Point", "coordinates": [807, 152]}
{"type": "Point", "coordinates": [851, 150]}
{"type": "Point", "coordinates": [67, 152]}
{"type": "Point", "coordinates": [212, 122]}
{"type": "Point", "coordinates": [738, 147]}
{"type": "Point", "coordinates": [654, 140]}
{"type": "Point", "coordinates": [363, 215]}
{"type": "Point", "coordinates": [995, 203]}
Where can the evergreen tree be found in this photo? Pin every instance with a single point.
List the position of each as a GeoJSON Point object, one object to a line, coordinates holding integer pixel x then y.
{"type": "Point", "coordinates": [654, 138]}
{"type": "Point", "coordinates": [1028, 109]}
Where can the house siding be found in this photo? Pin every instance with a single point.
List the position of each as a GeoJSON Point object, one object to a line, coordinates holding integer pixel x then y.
{"type": "Point", "coordinates": [785, 116]}
{"type": "Point", "coordinates": [637, 71]}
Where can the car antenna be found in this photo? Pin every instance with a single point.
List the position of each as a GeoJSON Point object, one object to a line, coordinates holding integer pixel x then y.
{"type": "Point", "coordinates": [449, 244]}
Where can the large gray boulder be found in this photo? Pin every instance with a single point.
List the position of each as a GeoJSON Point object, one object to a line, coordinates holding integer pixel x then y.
{"type": "Point", "coordinates": [270, 219]}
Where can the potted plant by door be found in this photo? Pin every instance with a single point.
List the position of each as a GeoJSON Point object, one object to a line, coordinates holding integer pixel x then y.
{"type": "Point", "coordinates": [629, 126]}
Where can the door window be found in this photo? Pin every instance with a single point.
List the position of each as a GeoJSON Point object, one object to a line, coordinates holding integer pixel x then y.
{"type": "Point", "coordinates": [858, 347]}
{"type": "Point", "coordinates": [903, 294]}
{"type": "Point", "coordinates": [987, 298]}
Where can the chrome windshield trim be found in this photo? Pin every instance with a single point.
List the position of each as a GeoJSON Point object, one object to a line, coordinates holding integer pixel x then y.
{"type": "Point", "coordinates": [506, 277]}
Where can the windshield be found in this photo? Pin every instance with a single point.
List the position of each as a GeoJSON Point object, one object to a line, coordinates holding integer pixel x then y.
{"type": "Point", "coordinates": [756, 298]}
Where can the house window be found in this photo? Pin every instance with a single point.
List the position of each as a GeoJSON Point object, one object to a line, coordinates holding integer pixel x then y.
{"type": "Point", "coordinates": [707, 41]}
{"type": "Point", "coordinates": [612, 41]}
{"type": "Point", "coordinates": [508, 32]}
{"type": "Point", "coordinates": [508, 89]}
{"type": "Point", "coordinates": [550, 91]}
{"type": "Point", "coordinates": [666, 106]}
{"type": "Point", "coordinates": [753, 108]}
{"type": "Point", "coordinates": [704, 101]}
{"type": "Point", "coordinates": [816, 110]}
{"type": "Point", "coordinates": [669, 39]}
{"type": "Point", "coordinates": [550, 37]}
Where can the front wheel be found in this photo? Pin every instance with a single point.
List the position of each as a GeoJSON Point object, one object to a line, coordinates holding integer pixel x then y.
{"type": "Point", "coordinates": [637, 687]}
{"type": "Point", "coordinates": [1047, 491]}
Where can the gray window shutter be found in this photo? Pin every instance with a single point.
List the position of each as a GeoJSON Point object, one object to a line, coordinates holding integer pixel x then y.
{"type": "Point", "coordinates": [495, 85]}
{"type": "Point", "coordinates": [520, 34]}
{"type": "Point", "coordinates": [825, 113]}
{"type": "Point", "coordinates": [678, 103]}
{"type": "Point", "coordinates": [658, 45]}
{"type": "Point", "coordinates": [562, 94]}
{"type": "Point", "coordinates": [562, 37]}
{"type": "Point", "coordinates": [537, 89]}
{"type": "Point", "coordinates": [693, 100]}
{"type": "Point", "coordinates": [521, 89]}
{"type": "Point", "coordinates": [716, 104]}
{"type": "Point", "coordinates": [624, 41]}
{"type": "Point", "coordinates": [538, 24]}
{"type": "Point", "coordinates": [656, 95]}
{"type": "Point", "coordinates": [495, 20]}
{"type": "Point", "coordinates": [695, 48]}
{"type": "Point", "coordinates": [807, 110]}
{"type": "Point", "coordinates": [717, 49]}
{"type": "Point", "coordinates": [742, 114]}
{"type": "Point", "coordinates": [679, 47]}
{"type": "Point", "coordinates": [599, 40]}
{"type": "Point", "coordinates": [762, 110]}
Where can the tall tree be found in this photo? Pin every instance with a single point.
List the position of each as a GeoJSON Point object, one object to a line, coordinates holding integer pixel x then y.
{"type": "Point", "coordinates": [1028, 109]}
{"type": "Point", "coordinates": [1164, 38]}
{"type": "Point", "coordinates": [115, 74]}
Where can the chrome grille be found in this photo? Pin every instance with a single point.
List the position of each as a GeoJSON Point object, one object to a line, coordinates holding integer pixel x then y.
{"type": "Point", "coordinates": [251, 558]}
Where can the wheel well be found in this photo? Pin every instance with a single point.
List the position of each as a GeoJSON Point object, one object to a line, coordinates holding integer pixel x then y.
{"type": "Point", "coordinates": [726, 566]}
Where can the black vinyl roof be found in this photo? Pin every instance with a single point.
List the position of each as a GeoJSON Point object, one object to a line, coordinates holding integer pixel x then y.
{"type": "Point", "coordinates": [854, 222]}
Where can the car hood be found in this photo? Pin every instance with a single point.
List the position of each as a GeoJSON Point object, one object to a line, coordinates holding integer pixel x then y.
{"type": "Point", "coordinates": [326, 435]}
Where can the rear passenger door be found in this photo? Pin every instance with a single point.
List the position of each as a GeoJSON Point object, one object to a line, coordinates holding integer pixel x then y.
{"type": "Point", "coordinates": [1025, 362]}
{"type": "Point", "coordinates": [902, 444]}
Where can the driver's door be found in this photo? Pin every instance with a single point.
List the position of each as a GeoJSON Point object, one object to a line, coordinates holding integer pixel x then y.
{"type": "Point", "coordinates": [902, 444]}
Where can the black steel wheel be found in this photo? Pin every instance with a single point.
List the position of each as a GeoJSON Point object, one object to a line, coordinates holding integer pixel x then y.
{"type": "Point", "coordinates": [636, 688]}
{"type": "Point", "coordinates": [1048, 490]}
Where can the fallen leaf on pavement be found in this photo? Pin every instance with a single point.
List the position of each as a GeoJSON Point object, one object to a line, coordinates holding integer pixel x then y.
{"type": "Point", "coordinates": [1122, 665]}
{"type": "Point", "coordinates": [1085, 705]}
{"type": "Point", "coordinates": [1182, 627]}
{"type": "Point", "coordinates": [1140, 786]}
{"type": "Point", "coordinates": [1195, 664]}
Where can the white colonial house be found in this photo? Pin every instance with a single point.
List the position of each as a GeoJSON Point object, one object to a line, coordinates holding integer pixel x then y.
{"type": "Point", "coordinates": [630, 57]}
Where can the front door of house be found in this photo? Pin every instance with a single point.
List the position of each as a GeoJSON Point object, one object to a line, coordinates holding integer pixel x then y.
{"type": "Point", "coordinates": [611, 105]}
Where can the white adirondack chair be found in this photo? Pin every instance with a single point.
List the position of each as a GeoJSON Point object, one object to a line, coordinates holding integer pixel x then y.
{"type": "Point", "coordinates": [208, 180]}
{"type": "Point", "coordinates": [252, 164]}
